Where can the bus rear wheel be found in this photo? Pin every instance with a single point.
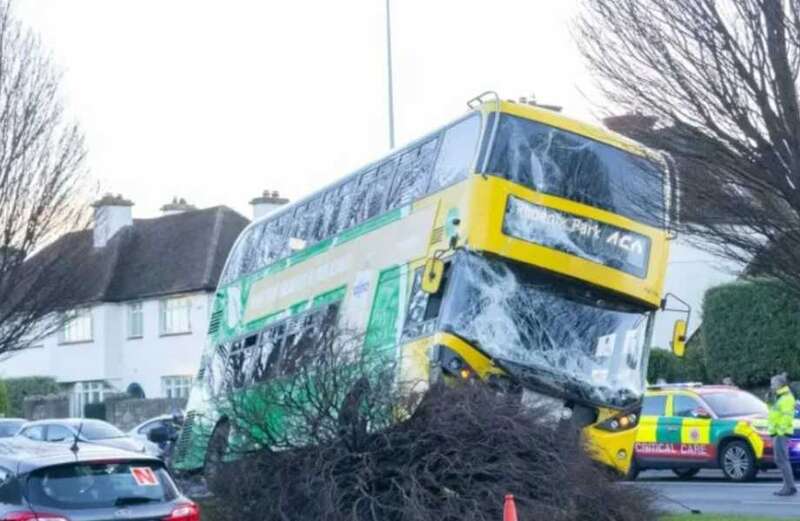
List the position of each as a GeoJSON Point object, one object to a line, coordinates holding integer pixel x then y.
{"type": "Point", "coordinates": [215, 454]}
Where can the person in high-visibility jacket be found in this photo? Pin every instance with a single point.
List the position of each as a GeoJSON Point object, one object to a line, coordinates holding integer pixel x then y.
{"type": "Point", "coordinates": [781, 428]}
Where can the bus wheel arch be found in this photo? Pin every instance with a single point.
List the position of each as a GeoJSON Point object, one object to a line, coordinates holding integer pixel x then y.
{"type": "Point", "coordinates": [737, 459]}
{"type": "Point", "coordinates": [216, 449]}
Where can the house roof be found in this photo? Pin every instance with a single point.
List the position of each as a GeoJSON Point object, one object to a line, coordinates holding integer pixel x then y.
{"type": "Point", "coordinates": [177, 253]}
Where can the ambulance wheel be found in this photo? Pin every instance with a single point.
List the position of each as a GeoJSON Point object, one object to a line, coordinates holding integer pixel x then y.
{"type": "Point", "coordinates": [737, 461]}
{"type": "Point", "coordinates": [686, 472]}
{"type": "Point", "coordinates": [633, 471]}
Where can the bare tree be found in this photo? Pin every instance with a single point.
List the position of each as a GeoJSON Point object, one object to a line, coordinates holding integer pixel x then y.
{"type": "Point", "coordinates": [327, 432]}
{"type": "Point", "coordinates": [715, 85]}
{"type": "Point", "coordinates": [41, 180]}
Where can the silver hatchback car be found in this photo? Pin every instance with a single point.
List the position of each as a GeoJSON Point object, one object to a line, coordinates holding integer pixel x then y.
{"type": "Point", "coordinates": [86, 482]}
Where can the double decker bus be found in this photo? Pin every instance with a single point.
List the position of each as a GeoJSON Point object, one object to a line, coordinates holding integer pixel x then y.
{"type": "Point", "coordinates": [513, 244]}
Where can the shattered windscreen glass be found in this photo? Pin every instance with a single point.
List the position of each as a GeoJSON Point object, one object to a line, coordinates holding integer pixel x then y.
{"type": "Point", "coordinates": [549, 330]}
{"type": "Point", "coordinates": [560, 163]}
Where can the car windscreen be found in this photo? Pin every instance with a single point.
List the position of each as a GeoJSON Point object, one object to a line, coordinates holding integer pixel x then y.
{"type": "Point", "coordinates": [99, 431]}
{"type": "Point", "coordinates": [8, 429]}
{"type": "Point", "coordinates": [99, 485]}
{"type": "Point", "coordinates": [735, 403]}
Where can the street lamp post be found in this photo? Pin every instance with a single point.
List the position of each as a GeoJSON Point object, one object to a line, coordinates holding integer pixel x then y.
{"type": "Point", "coordinates": [389, 70]}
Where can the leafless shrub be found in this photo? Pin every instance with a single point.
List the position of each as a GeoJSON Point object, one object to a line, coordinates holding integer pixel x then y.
{"type": "Point", "coordinates": [341, 440]}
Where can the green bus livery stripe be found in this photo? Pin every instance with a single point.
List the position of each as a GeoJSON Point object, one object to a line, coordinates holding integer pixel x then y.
{"type": "Point", "coordinates": [382, 326]}
{"type": "Point", "coordinates": [322, 299]}
{"type": "Point", "coordinates": [321, 247]}
{"type": "Point", "coordinates": [333, 295]}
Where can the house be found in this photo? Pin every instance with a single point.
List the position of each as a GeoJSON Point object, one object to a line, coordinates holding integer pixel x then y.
{"type": "Point", "coordinates": [138, 315]}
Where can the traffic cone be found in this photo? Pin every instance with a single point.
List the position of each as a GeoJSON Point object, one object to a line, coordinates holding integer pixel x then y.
{"type": "Point", "coordinates": [509, 509]}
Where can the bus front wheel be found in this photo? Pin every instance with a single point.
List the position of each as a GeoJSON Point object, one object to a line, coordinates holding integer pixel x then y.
{"type": "Point", "coordinates": [215, 453]}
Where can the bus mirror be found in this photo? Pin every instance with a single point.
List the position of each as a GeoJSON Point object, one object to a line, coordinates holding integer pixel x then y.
{"type": "Point", "coordinates": [432, 275]}
{"type": "Point", "coordinates": [679, 338]}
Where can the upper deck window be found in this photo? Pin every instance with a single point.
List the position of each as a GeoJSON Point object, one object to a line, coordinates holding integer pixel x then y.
{"type": "Point", "coordinates": [560, 163]}
{"type": "Point", "coordinates": [457, 153]}
{"type": "Point", "coordinates": [428, 165]}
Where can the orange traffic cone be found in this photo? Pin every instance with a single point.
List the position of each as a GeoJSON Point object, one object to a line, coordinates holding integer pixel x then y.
{"type": "Point", "coordinates": [509, 509]}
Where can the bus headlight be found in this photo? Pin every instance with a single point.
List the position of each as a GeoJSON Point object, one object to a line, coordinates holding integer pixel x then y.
{"type": "Point", "coordinates": [454, 365]}
{"type": "Point", "coordinates": [621, 422]}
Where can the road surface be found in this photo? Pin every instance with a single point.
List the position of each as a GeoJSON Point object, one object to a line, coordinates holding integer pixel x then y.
{"type": "Point", "coordinates": [708, 492]}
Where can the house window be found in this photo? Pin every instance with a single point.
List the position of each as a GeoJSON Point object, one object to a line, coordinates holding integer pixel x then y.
{"type": "Point", "coordinates": [85, 393]}
{"type": "Point", "coordinates": [175, 313]}
{"type": "Point", "coordinates": [176, 386]}
{"type": "Point", "coordinates": [135, 320]}
{"type": "Point", "coordinates": [77, 326]}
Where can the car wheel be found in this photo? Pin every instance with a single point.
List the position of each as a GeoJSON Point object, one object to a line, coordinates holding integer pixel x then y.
{"type": "Point", "coordinates": [686, 473]}
{"type": "Point", "coordinates": [633, 470]}
{"type": "Point", "coordinates": [737, 461]}
{"type": "Point", "coordinates": [796, 472]}
{"type": "Point", "coordinates": [215, 453]}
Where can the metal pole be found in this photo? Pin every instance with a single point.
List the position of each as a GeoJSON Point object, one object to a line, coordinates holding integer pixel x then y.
{"type": "Point", "coordinates": [389, 67]}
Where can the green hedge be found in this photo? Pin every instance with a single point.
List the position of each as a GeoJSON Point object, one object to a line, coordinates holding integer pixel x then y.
{"type": "Point", "coordinates": [664, 365]}
{"type": "Point", "coordinates": [751, 331]}
{"type": "Point", "coordinates": [3, 399]}
{"type": "Point", "coordinates": [19, 388]}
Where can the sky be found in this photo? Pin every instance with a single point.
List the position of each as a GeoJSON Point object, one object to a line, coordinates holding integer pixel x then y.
{"type": "Point", "coordinates": [217, 101]}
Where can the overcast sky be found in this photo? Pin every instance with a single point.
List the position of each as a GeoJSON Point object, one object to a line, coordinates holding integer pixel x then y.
{"type": "Point", "coordinates": [216, 101]}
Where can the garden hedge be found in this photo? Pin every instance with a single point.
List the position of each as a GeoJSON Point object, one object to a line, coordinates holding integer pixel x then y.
{"type": "Point", "coordinates": [19, 388]}
{"type": "Point", "coordinates": [751, 331]}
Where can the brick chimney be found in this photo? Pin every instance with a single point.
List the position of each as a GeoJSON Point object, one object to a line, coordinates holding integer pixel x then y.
{"type": "Point", "coordinates": [267, 203]}
{"type": "Point", "coordinates": [178, 205]}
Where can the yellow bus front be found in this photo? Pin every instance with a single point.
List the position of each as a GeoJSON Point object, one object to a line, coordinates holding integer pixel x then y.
{"type": "Point", "coordinates": [555, 278]}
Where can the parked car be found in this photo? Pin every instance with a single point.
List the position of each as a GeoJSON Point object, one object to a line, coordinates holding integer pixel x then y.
{"type": "Point", "coordinates": [10, 426]}
{"type": "Point", "coordinates": [87, 430]}
{"type": "Point", "coordinates": [92, 483]}
{"type": "Point", "coordinates": [167, 421]}
{"type": "Point", "coordinates": [168, 427]}
{"type": "Point", "coordinates": [687, 427]}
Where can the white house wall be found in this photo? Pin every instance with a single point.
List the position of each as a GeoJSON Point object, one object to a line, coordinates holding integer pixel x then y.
{"type": "Point", "coordinates": [112, 357]}
{"type": "Point", "coordinates": [146, 360]}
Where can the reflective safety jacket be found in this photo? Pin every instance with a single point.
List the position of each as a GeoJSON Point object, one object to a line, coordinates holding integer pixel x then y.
{"type": "Point", "coordinates": [781, 414]}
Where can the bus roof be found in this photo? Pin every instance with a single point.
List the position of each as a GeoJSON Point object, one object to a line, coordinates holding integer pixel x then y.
{"type": "Point", "coordinates": [532, 112]}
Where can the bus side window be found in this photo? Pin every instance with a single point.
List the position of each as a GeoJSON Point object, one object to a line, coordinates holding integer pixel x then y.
{"type": "Point", "coordinates": [329, 212]}
{"type": "Point", "coordinates": [346, 204]}
{"type": "Point", "coordinates": [457, 153]}
{"type": "Point", "coordinates": [315, 217]}
{"type": "Point", "coordinates": [379, 188]}
{"type": "Point", "coordinates": [413, 175]}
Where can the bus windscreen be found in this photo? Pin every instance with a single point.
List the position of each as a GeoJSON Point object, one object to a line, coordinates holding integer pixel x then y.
{"type": "Point", "coordinates": [556, 162]}
{"type": "Point", "coordinates": [585, 342]}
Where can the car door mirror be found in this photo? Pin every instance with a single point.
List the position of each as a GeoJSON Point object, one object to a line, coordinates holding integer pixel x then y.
{"type": "Point", "coordinates": [432, 275]}
{"type": "Point", "coordinates": [701, 412]}
{"type": "Point", "coordinates": [679, 338]}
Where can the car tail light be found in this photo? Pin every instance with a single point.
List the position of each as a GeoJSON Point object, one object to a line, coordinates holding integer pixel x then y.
{"type": "Point", "coordinates": [33, 516]}
{"type": "Point", "coordinates": [621, 422]}
{"type": "Point", "coordinates": [184, 512]}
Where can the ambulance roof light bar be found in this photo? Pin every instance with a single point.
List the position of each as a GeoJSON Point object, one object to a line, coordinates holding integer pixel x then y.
{"type": "Point", "coordinates": [672, 386]}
